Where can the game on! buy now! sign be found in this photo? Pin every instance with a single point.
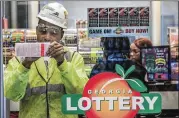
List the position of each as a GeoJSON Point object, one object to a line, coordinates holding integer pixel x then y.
{"type": "Point", "coordinates": [119, 21]}
{"type": "Point", "coordinates": [113, 95]}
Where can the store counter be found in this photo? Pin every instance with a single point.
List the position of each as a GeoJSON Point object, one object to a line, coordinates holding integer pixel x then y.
{"type": "Point", "coordinates": [170, 98]}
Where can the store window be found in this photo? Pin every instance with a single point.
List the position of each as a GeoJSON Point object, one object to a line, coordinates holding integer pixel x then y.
{"type": "Point", "coordinates": [169, 18]}
{"type": "Point", "coordinates": [22, 14]}
{"type": "Point", "coordinates": [114, 24]}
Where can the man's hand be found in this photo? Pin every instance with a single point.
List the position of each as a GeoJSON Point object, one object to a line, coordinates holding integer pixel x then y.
{"type": "Point", "coordinates": [28, 61]}
{"type": "Point", "coordinates": [56, 50]}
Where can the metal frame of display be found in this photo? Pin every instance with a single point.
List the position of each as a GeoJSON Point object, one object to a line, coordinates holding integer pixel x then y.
{"type": "Point", "coordinates": [1, 67]}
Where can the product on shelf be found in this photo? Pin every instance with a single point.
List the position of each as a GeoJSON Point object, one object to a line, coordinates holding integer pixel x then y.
{"type": "Point", "coordinates": [90, 43]}
{"type": "Point", "coordinates": [116, 50]}
{"type": "Point", "coordinates": [92, 55]}
{"type": "Point", "coordinates": [174, 53]}
{"type": "Point", "coordinates": [70, 37]}
{"type": "Point", "coordinates": [82, 34]}
{"type": "Point", "coordinates": [115, 44]}
{"type": "Point", "coordinates": [81, 23]}
{"type": "Point", "coordinates": [18, 36]}
{"type": "Point", "coordinates": [6, 38]}
{"type": "Point", "coordinates": [13, 36]}
{"type": "Point", "coordinates": [8, 53]}
{"type": "Point", "coordinates": [7, 42]}
{"type": "Point", "coordinates": [73, 48]}
{"type": "Point", "coordinates": [78, 23]}
{"type": "Point", "coordinates": [31, 36]}
{"type": "Point", "coordinates": [173, 36]}
{"type": "Point", "coordinates": [70, 40]}
{"type": "Point", "coordinates": [174, 62]}
{"type": "Point", "coordinates": [7, 46]}
{"type": "Point", "coordinates": [6, 32]}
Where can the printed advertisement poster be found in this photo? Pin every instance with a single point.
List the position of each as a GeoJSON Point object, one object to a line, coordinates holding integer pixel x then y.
{"type": "Point", "coordinates": [156, 62]}
{"type": "Point", "coordinates": [174, 39]}
{"type": "Point", "coordinates": [144, 16]}
{"type": "Point", "coordinates": [113, 17]}
{"type": "Point", "coordinates": [103, 17]}
{"type": "Point", "coordinates": [174, 53]}
{"type": "Point", "coordinates": [123, 17]}
{"type": "Point", "coordinates": [134, 16]}
{"type": "Point", "coordinates": [115, 22]}
{"type": "Point", "coordinates": [93, 17]}
{"type": "Point", "coordinates": [174, 63]}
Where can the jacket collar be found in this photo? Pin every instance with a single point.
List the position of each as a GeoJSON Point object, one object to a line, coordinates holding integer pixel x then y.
{"type": "Point", "coordinates": [46, 72]}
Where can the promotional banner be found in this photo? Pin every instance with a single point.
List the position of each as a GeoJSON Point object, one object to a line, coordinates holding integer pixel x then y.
{"type": "Point", "coordinates": [113, 17]}
{"type": "Point", "coordinates": [123, 17]}
{"type": "Point", "coordinates": [144, 16]}
{"type": "Point", "coordinates": [156, 60]}
{"type": "Point", "coordinates": [93, 17]}
{"type": "Point", "coordinates": [103, 17]}
{"type": "Point", "coordinates": [116, 22]}
{"type": "Point", "coordinates": [118, 31]}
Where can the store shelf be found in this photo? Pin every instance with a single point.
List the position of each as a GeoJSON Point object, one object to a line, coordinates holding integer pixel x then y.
{"type": "Point", "coordinates": [82, 29]}
{"type": "Point", "coordinates": [163, 83]}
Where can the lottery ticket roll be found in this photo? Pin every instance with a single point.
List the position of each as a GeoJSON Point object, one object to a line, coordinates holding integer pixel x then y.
{"type": "Point", "coordinates": [31, 49]}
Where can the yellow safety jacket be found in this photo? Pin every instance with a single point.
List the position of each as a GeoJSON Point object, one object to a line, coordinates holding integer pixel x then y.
{"type": "Point", "coordinates": [39, 90]}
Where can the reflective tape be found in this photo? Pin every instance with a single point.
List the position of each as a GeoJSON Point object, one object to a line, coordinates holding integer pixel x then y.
{"type": "Point", "coordinates": [42, 89]}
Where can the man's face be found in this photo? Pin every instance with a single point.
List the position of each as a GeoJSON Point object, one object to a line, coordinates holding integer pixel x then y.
{"type": "Point", "coordinates": [47, 32]}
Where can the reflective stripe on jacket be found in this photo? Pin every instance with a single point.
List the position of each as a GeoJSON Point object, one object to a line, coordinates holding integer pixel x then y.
{"type": "Point", "coordinates": [39, 90]}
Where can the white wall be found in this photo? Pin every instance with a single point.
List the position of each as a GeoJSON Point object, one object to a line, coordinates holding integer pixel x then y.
{"type": "Point", "coordinates": [33, 11]}
{"type": "Point", "coordinates": [169, 13]}
{"type": "Point", "coordinates": [78, 9]}
{"type": "Point", "coordinates": [156, 23]}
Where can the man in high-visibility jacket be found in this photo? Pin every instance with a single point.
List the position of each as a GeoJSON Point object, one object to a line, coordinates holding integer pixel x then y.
{"type": "Point", "coordinates": [39, 83]}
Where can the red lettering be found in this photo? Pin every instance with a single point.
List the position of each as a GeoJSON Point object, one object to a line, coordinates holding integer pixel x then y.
{"type": "Point", "coordinates": [141, 30]}
{"type": "Point", "coordinates": [129, 30]}
{"type": "Point", "coordinates": [137, 30]}
{"type": "Point", "coordinates": [126, 30]}
{"type": "Point", "coordinates": [132, 30]}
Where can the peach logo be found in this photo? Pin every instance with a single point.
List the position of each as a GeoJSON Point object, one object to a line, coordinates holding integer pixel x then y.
{"type": "Point", "coordinates": [112, 95]}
